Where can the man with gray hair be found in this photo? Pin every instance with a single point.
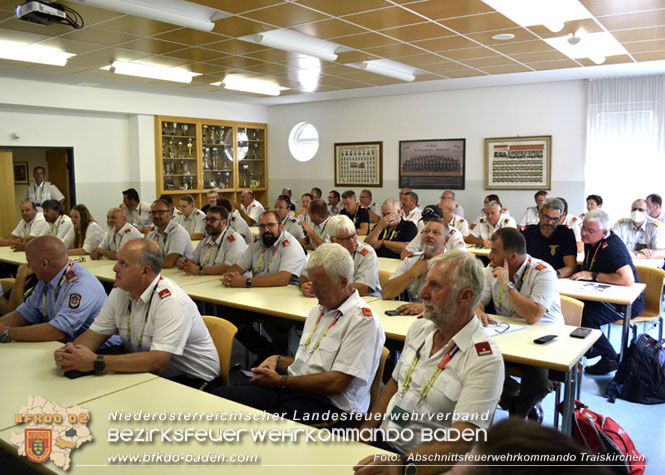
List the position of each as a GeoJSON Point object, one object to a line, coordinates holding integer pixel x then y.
{"type": "Point", "coordinates": [448, 337]}
{"type": "Point", "coordinates": [392, 233]}
{"type": "Point", "coordinates": [120, 231]}
{"type": "Point", "coordinates": [160, 326]}
{"type": "Point", "coordinates": [365, 263]}
{"type": "Point", "coordinates": [450, 195]}
{"type": "Point", "coordinates": [492, 221]}
{"type": "Point", "coordinates": [58, 223]}
{"type": "Point", "coordinates": [338, 354]}
{"type": "Point", "coordinates": [550, 241]}
{"type": "Point", "coordinates": [606, 260]}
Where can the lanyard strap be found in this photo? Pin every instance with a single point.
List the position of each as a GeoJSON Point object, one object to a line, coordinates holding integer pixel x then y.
{"type": "Point", "coordinates": [259, 265]}
{"type": "Point", "coordinates": [593, 259]}
{"type": "Point", "coordinates": [221, 241]}
{"type": "Point", "coordinates": [434, 376]}
{"type": "Point", "coordinates": [145, 321]}
{"type": "Point", "coordinates": [519, 284]}
{"type": "Point", "coordinates": [162, 245]}
{"type": "Point", "coordinates": [56, 292]}
{"type": "Point", "coordinates": [323, 333]}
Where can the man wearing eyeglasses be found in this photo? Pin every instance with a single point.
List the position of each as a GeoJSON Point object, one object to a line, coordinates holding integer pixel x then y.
{"type": "Point", "coordinates": [219, 250]}
{"type": "Point", "coordinates": [644, 237]}
{"type": "Point", "coordinates": [493, 220]}
{"type": "Point", "coordinates": [552, 242]}
{"type": "Point", "coordinates": [191, 218]}
{"type": "Point", "coordinates": [606, 260]}
{"type": "Point", "coordinates": [172, 239]}
{"type": "Point", "coordinates": [365, 262]}
{"type": "Point", "coordinates": [521, 286]}
{"type": "Point", "coordinates": [283, 210]}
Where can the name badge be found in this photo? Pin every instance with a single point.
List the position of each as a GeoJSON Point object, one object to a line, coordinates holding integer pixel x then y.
{"type": "Point", "coordinates": [401, 413]}
{"type": "Point", "coordinates": [297, 365]}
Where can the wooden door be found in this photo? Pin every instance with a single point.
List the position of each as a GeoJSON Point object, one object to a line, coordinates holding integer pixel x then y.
{"type": "Point", "coordinates": [58, 172]}
{"type": "Point", "coordinates": [7, 198]}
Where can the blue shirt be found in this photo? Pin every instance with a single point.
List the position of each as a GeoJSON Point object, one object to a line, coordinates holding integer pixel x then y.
{"type": "Point", "coordinates": [69, 302]}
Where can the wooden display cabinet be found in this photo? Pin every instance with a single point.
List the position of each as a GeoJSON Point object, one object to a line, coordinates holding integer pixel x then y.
{"type": "Point", "coordinates": [194, 156]}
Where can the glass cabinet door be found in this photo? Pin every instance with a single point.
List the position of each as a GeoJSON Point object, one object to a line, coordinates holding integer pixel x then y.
{"type": "Point", "coordinates": [251, 157]}
{"type": "Point", "coordinates": [217, 156]}
{"type": "Point", "coordinates": [179, 156]}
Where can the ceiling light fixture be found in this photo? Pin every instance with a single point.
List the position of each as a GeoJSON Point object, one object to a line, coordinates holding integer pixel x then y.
{"type": "Point", "coordinates": [237, 82]}
{"type": "Point", "coordinates": [33, 53]}
{"type": "Point", "coordinates": [503, 36]}
{"type": "Point", "coordinates": [296, 42]}
{"type": "Point", "coordinates": [150, 71]}
{"type": "Point", "coordinates": [386, 67]}
{"type": "Point", "coordinates": [551, 13]}
{"type": "Point", "coordinates": [595, 46]}
{"type": "Point", "coordinates": [176, 12]}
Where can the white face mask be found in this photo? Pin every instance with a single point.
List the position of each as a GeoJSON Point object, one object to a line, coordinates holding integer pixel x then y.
{"type": "Point", "coordinates": [638, 217]}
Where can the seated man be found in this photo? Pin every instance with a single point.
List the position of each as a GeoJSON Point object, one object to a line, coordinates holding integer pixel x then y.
{"type": "Point", "coordinates": [392, 233]}
{"type": "Point", "coordinates": [283, 210]}
{"type": "Point", "coordinates": [410, 208]}
{"type": "Point", "coordinates": [32, 224]}
{"type": "Point", "coordinates": [58, 223]}
{"type": "Point", "coordinates": [358, 214]}
{"type": "Point", "coordinates": [190, 218]}
{"type": "Point", "coordinates": [42, 190]}
{"type": "Point", "coordinates": [447, 207]}
{"type": "Point", "coordinates": [574, 223]}
{"type": "Point", "coordinates": [337, 356]}
{"type": "Point", "coordinates": [219, 250]}
{"type": "Point", "coordinates": [160, 326]}
{"type": "Point", "coordinates": [249, 208]}
{"type": "Point", "coordinates": [655, 207]}
{"type": "Point", "coordinates": [373, 208]}
{"type": "Point", "coordinates": [171, 238]}
{"type": "Point", "coordinates": [136, 212]}
{"type": "Point", "coordinates": [644, 238]}
{"type": "Point", "coordinates": [532, 214]}
{"type": "Point", "coordinates": [552, 242]}
{"type": "Point", "coordinates": [410, 275]}
{"type": "Point", "coordinates": [63, 305]}
{"type": "Point", "coordinates": [449, 337]}
{"type": "Point", "coordinates": [236, 222]}
{"type": "Point", "coordinates": [523, 287]}
{"type": "Point", "coordinates": [450, 195]}
{"type": "Point", "coordinates": [493, 221]}
{"type": "Point", "coordinates": [334, 203]}
{"type": "Point", "coordinates": [318, 216]}
{"type": "Point", "coordinates": [489, 198]}
{"type": "Point", "coordinates": [120, 231]}
{"type": "Point", "coordinates": [606, 260]}
{"type": "Point", "coordinates": [212, 197]}
{"type": "Point", "coordinates": [316, 193]}
{"type": "Point", "coordinates": [453, 237]}
{"type": "Point", "coordinates": [365, 262]}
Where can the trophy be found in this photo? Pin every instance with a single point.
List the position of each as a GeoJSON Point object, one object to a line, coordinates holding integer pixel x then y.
{"type": "Point", "coordinates": [206, 163]}
{"type": "Point", "coordinates": [221, 135]}
{"type": "Point", "coordinates": [171, 151]}
{"type": "Point", "coordinates": [190, 144]}
{"type": "Point", "coordinates": [180, 154]}
{"type": "Point", "coordinates": [245, 168]}
{"type": "Point", "coordinates": [225, 167]}
{"type": "Point", "coordinates": [227, 178]}
{"type": "Point", "coordinates": [218, 180]}
{"type": "Point", "coordinates": [205, 133]}
{"type": "Point", "coordinates": [215, 158]}
{"type": "Point", "coordinates": [175, 128]}
{"type": "Point", "coordinates": [185, 127]}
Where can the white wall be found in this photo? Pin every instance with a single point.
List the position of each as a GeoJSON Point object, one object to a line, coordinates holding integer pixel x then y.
{"type": "Point", "coordinates": [556, 109]}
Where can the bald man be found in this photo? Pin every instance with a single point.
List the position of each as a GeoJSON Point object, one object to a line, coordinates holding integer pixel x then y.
{"type": "Point", "coordinates": [32, 224]}
{"type": "Point", "coordinates": [120, 231]}
{"type": "Point", "coordinates": [64, 303]}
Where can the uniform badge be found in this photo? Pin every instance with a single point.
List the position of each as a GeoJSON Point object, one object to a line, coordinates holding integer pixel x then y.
{"type": "Point", "coordinates": [38, 444]}
{"type": "Point", "coordinates": [285, 242]}
{"type": "Point", "coordinates": [505, 221]}
{"type": "Point", "coordinates": [231, 238]}
{"type": "Point", "coordinates": [367, 311]}
{"type": "Point", "coordinates": [74, 301]}
{"type": "Point", "coordinates": [483, 348]}
{"type": "Point", "coordinates": [540, 266]}
{"type": "Point", "coordinates": [71, 276]}
{"type": "Point", "coordinates": [605, 244]}
{"type": "Point", "coordinates": [255, 238]}
{"type": "Point", "coordinates": [621, 220]}
{"type": "Point", "coordinates": [461, 220]}
{"type": "Point", "coordinates": [128, 230]}
{"type": "Point", "coordinates": [364, 251]}
{"type": "Point", "coordinates": [164, 293]}
{"type": "Point", "coordinates": [553, 248]}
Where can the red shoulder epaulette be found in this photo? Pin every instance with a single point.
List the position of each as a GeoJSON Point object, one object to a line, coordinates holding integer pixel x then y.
{"type": "Point", "coordinates": [367, 312]}
{"type": "Point", "coordinates": [71, 276]}
{"type": "Point", "coordinates": [128, 230]}
{"type": "Point", "coordinates": [231, 238]}
{"type": "Point", "coordinates": [164, 293]}
{"type": "Point", "coordinates": [285, 242]}
{"type": "Point", "coordinates": [540, 266]}
{"type": "Point", "coordinates": [364, 251]}
{"type": "Point", "coordinates": [483, 348]}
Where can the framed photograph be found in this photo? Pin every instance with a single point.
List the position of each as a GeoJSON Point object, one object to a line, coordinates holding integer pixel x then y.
{"type": "Point", "coordinates": [432, 164]}
{"type": "Point", "coordinates": [359, 164]}
{"type": "Point", "coordinates": [518, 163]}
{"type": "Point", "coordinates": [21, 175]}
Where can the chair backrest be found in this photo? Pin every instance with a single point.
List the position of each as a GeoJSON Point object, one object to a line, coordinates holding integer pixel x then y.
{"type": "Point", "coordinates": [376, 384]}
{"type": "Point", "coordinates": [654, 278]}
{"type": "Point", "coordinates": [222, 332]}
{"type": "Point", "coordinates": [572, 310]}
{"type": "Point", "coordinates": [384, 276]}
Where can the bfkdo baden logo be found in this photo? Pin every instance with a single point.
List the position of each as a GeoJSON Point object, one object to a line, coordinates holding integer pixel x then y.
{"type": "Point", "coordinates": [52, 431]}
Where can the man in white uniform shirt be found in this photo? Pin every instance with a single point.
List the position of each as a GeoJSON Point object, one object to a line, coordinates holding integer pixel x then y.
{"type": "Point", "coordinates": [412, 212]}
{"type": "Point", "coordinates": [524, 287]}
{"type": "Point", "coordinates": [449, 367]}
{"type": "Point", "coordinates": [32, 224]}
{"type": "Point", "coordinates": [453, 238]}
{"type": "Point", "coordinates": [219, 249]}
{"type": "Point", "coordinates": [163, 333]}
{"type": "Point", "coordinates": [450, 195]}
{"type": "Point", "coordinates": [532, 214]}
{"type": "Point", "coordinates": [59, 224]}
{"type": "Point", "coordinates": [493, 221]}
{"type": "Point", "coordinates": [137, 213]}
{"type": "Point", "coordinates": [249, 208]}
{"type": "Point", "coordinates": [319, 216]}
{"type": "Point", "coordinates": [644, 238]}
{"type": "Point", "coordinates": [41, 190]}
{"type": "Point", "coordinates": [453, 219]}
{"type": "Point", "coordinates": [655, 207]}
{"type": "Point", "coordinates": [120, 231]}
{"type": "Point", "coordinates": [337, 358]}
{"type": "Point", "coordinates": [334, 203]}
{"type": "Point", "coordinates": [171, 238]}
{"type": "Point", "coordinates": [235, 221]}
{"type": "Point", "coordinates": [373, 207]}
{"type": "Point", "coordinates": [283, 210]}
{"type": "Point", "coordinates": [191, 218]}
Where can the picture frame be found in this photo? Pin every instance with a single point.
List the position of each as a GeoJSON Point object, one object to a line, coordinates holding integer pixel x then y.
{"type": "Point", "coordinates": [432, 164]}
{"type": "Point", "coordinates": [21, 173]}
{"type": "Point", "coordinates": [359, 164]}
{"type": "Point", "coordinates": [518, 163]}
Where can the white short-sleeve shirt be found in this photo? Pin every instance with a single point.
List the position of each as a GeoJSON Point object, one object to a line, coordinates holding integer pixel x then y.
{"type": "Point", "coordinates": [140, 217]}
{"type": "Point", "coordinates": [240, 226]}
{"type": "Point", "coordinates": [454, 240]}
{"type": "Point", "coordinates": [34, 228]}
{"type": "Point", "coordinates": [226, 249]}
{"type": "Point", "coordinates": [94, 235]}
{"type": "Point", "coordinates": [254, 210]}
{"type": "Point", "coordinates": [63, 229]}
{"type": "Point", "coordinates": [114, 241]}
{"type": "Point", "coordinates": [651, 235]}
{"type": "Point", "coordinates": [40, 193]}
{"type": "Point", "coordinates": [174, 240]}
{"type": "Point", "coordinates": [194, 223]}
{"type": "Point", "coordinates": [286, 254]}
{"type": "Point", "coordinates": [484, 229]}
{"type": "Point", "coordinates": [530, 216]}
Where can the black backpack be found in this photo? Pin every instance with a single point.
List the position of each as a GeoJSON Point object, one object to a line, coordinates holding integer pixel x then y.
{"type": "Point", "coordinates": [641, 374]}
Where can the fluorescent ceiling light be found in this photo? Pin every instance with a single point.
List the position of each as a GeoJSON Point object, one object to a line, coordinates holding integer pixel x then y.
{"type": "Point", "coordinates": [150, 71]}
{"type": "Point", "coordinates": [295, 42]}
{"type": "Point", "coordinates": [386, 67]}
{"type": "Point", "coordinates": [550, 13]}
{"type": "Point", "coordinates": [309, 72]}
{"type": "Point", "coordinates": [33, 53]}
{"type": "Point", "coordinates": [595, 46]}
{"type": "Point", "coordinates": [236, 82]}
{"type": "Point", "coordinates": [176, 12]}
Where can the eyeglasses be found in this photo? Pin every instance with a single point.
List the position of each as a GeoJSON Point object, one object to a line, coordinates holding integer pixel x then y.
{"type": "Point", "coordinates": [501, 327]}
{"type": "Point", "coordinates": [550, 219]}
{"type": "Point", "coordinates": [212, 220]}
{"type": "Point", "coordinates": [589, 231]}
{"type": "Point", "coordinates": [353, 236]}
{"type": "Point", "coordinates": [159, 211]}
{"type": "Point", "coordinates": [268, 225]}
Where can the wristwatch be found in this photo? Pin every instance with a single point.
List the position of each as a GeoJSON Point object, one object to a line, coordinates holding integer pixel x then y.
{"type": "Point", "coordinates": [99, 364]}
{"type": "Point", "coordinates": [282, 384]}
{"type": "Point", "coordinates": [4, 336]}
{"type": "Point", "coordinates": [410, 468]}
{"type": "Point", "coordinates": [509, 286]}
{"type": "Point", "coordinates": [595, 276]}
{"type": "Point", "coordinates": [200, 270]}
{"type": "Point", "coordinates": [248, 283]}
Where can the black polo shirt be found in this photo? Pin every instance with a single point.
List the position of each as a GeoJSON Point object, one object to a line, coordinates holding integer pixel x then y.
{"type": "Point", "coordinates": [405, 231]}
{"type": "Point", "coordinates": [550, 249]}
{"type": "Point", "coordinates": [360, 216]}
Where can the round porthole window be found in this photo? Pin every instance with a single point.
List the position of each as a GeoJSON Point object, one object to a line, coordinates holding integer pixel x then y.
{"type": "Point", "coordinates": [303, 141]}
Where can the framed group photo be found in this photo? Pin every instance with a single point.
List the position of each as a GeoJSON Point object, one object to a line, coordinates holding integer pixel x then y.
{"type": "Point", "coordinates": [518, 163]}
{"type": "Point", "coordinates": [432, 164]}
{"type": "Point", "coordinates": [359, 164]}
